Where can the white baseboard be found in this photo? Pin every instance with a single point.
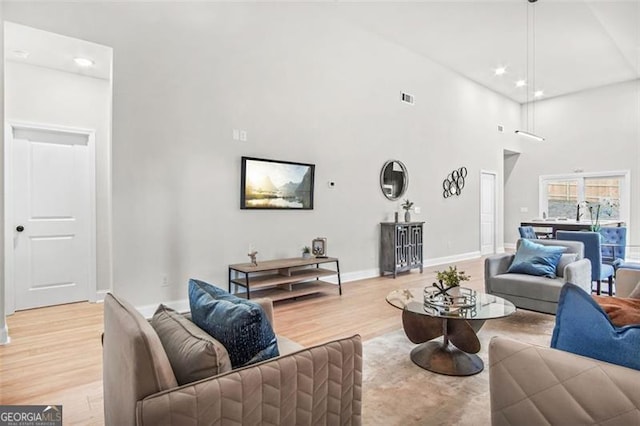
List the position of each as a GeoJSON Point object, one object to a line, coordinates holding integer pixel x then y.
{"type": "Point", "coordinates": [147, 311]}
{"type": "Point", "coordinates": [183, 305]}
{"type": "Point", "coordinates": [4, 336]}
{"type": "Point", "coordinates": [354, 276]}
{"type": "Point", "coordinates": [100, 295]}
{"type": "Point", "coordinates": [451, 259]}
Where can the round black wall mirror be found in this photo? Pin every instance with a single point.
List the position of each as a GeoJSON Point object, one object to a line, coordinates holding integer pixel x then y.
{"type": "Point", "coordinates": [394, 179]}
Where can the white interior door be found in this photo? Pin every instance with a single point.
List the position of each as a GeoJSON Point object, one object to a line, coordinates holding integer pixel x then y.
{"type": "Point", "coordinates": [52, 198]}
{"type": "Point", "coordinates": [487, 213]}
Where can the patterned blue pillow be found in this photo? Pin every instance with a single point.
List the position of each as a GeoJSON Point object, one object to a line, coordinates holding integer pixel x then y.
{"type": "Point", "coordinates": [583, 328]}
{"type": "Point", "coordinates": [240, 325]}
{"type": "Point", "coordinates": [536, 259]}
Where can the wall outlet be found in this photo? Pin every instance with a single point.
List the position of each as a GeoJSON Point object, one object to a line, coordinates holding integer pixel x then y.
{"type": "Point", "coordinates": [524, 209]}
{"type": "Point", "coordinates": [243, 135]}
{"type": "Point", "coordinates": [165, 281]}
{"type": "Point", "coordinates": [417, 210]}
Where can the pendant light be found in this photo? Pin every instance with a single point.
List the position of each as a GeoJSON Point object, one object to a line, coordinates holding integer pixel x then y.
{"type": "Point", "coordinates": [532, 104]}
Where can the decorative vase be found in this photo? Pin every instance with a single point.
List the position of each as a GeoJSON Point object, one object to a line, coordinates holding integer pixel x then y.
{"type": "Point", "coordinates": [306, 255]}
{"type": "Point", "coordinates": [407, 216]}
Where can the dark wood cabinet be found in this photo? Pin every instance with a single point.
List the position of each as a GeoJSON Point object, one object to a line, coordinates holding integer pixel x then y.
{"type": "Point", "coordinates": [400, 247]}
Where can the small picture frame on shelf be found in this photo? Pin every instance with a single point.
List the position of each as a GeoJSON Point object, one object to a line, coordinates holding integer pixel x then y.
{"type": "Point", "coordinates": [319, 247]}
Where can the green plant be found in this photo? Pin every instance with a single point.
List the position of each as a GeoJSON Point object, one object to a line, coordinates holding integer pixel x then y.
{"type": "Point", "coordinates": [306, 250]}
{"type": "Point", "coordinates": [604, 206]}
{"type": "Point", "coordinates": [407, 205]}
{"type": "Point", "coordinates": [451, 277]}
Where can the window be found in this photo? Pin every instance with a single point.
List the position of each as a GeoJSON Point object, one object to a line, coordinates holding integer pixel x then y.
{"type": "Point", "coordinates": [560, 195]}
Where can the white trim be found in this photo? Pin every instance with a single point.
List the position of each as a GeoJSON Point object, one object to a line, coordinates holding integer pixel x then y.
{"type": "Point", "coordinates": [10, 126]}
{"type": "Point", "coordinates": [509, 246]}
{"type": "Point", "coordinates": [100, 295]}
{"type": "Point", "coordinates": [354, 276]}
{"type": "Point", "coordinates": [451, 259]}
{"type": "Point", "coordinates": [4, 336]}
{"type": "Point", "coordinates": [181, 305]}
{"type": "Point", "coordinates": [567, 176]}
{"type": "Point", "coordinates": [495, 209]}
{"type": "Point", "coordinates": [625, 190]}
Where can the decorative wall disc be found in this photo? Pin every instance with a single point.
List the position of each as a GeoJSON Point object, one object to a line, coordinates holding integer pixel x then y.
{"type": "Point", "coordinates": [454, 182]}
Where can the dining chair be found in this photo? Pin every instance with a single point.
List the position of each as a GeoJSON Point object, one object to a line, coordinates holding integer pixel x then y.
{"type": "Point", "coordinates": [614, 241]}
{"type": "Point", "coordinates": [593, 252]}
{"type": "Point", "coordinates": [527, 232]}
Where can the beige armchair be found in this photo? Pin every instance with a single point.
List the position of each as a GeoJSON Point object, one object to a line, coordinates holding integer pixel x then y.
{"type": "Point", "coordinates": [531, 385]}
{"type": "Point", "coordinates": [626, 281]}
{"type": "Point", "coordinates": [321, 385]}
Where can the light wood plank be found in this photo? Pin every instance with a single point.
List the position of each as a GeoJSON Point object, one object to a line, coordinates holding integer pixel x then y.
{"type": "Point", "coordinates": [295, 276]}
{"type": "Point", "coordinates": [55, 356]}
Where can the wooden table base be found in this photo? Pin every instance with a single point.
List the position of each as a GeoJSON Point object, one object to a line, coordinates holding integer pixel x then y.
{"type": "Point", "coordinates": [449, 360]}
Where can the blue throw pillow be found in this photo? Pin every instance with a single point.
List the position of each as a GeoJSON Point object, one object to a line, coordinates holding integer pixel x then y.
{"type": "Point", "coordinates": [536, 259]}
{"type": "Point", "coordinates": [240, 325]}
{"type": "Point", "coordinates": [583, 328]}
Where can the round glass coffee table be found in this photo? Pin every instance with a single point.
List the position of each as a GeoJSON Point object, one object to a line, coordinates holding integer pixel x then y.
{"type": "Point", "coordinates": [423, 320]}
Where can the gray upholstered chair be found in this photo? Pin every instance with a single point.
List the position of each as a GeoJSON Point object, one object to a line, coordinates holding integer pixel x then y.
{"type": "Point", "coordinates": [532, 292]}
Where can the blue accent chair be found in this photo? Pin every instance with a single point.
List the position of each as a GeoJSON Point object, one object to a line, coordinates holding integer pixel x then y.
{"type": "Point", "coordinates": [593, 252]}
{"type": "Point", "coordinates": [527, 232]}
{"type": "Point", "coordinates": [614, 240]}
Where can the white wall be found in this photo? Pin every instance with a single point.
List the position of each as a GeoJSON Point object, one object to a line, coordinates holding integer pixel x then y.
{"type": "Point", "coordinates": [307, 86]}
{"type": "Point", "coordinates": [46, 96]}
{"type": "Point", "coordinates": [594, 130]}
{"type": "Point", "coordinates": [4, 330]}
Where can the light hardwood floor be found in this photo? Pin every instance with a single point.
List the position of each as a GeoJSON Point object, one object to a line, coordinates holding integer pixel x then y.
{"type": "Point", "coordinates": [55, 354]}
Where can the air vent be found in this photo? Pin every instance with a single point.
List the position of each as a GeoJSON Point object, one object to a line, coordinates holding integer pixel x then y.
{"type": "Point", "coordinates": [407, 98]}
{"type": "Point", "coordinates": [500, 128]}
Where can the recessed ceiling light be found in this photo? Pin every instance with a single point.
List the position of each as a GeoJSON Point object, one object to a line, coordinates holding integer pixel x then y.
{"type": "Point", "coordinates": [521, 83]}
{"type": "Point", "coordinates": [83, 62]}
{"type": "Point", "coordinates": [538, 93]}
{"type": "Point", "coordinates": [23, 54]}
{"type": "Point", "coordinates": [500, 70]}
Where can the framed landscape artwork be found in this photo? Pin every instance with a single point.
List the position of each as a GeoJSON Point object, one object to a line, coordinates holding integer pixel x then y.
{"type": "Point", "coordinates": [272, 184]}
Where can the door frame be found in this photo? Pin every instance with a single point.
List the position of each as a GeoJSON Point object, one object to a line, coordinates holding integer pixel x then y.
{"type": "Point", "coordinates": [495, 209]}
{"type": "Point", "coordinates": [9, 220]}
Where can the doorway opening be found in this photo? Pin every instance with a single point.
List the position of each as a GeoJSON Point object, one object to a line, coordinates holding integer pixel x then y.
{"type": "Point", "coordinates": [58, 97]}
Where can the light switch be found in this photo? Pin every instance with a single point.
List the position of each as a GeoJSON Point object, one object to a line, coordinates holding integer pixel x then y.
{"type": "Point", "coordinates": [417, 210]}
{"type": "Point", "coordinates": [524, 209]}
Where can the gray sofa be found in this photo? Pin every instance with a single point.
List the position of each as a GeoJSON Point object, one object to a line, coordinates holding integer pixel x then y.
{"type": "Point", "coordinates": [536, 293]}
{"type": "Point", "coordinates": [531, 385]}
{"type": "Point", "coordinates": [321, 385]}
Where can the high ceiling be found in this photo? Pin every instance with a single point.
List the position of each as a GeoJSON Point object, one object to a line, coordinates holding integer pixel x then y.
{"type": "Point", "coordinates": [578, 44]}
{"type": "Point", "coordinates": [41, 48]}
{"type": "Point", "coordinates": [568, 45]}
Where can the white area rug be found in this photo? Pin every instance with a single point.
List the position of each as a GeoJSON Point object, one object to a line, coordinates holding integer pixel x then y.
{"type": "Point", "coordinates": [398, 392]}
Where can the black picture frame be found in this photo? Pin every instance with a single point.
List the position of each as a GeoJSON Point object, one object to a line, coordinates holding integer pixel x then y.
{"type": "Point", "coordinates": [267, 184]}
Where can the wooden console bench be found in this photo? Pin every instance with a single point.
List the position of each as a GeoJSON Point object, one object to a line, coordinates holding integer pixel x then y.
{"type": "Point", "coordinates": [281, 279]}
